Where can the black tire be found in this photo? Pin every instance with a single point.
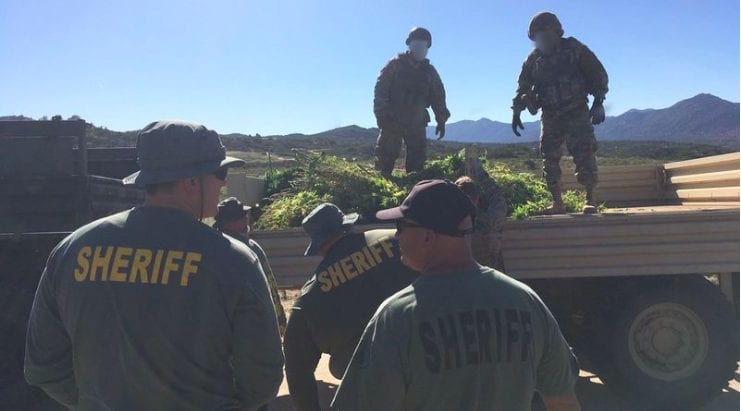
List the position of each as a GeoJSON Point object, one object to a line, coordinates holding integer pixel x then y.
{"type": "Point", "coordinates": [673, 344]}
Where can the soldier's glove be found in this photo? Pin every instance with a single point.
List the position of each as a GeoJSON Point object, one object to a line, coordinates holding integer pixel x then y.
{"type": "Point", "coordinates": [440, 129]}
{"type": "Point", "coordinates": [384, 121]}
{"type": "Point", "coordinates": [597, 112]}
{"type": "Point", "coordinates": [529, 103]}
{"type": "Point", "coordinates": [516, 122]}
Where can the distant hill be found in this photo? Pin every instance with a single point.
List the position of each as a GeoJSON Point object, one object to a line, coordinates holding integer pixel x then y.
{"type": "Point", "coordinates": [702, 125]}
{"type": "Point", "coordinates": [701, 119]}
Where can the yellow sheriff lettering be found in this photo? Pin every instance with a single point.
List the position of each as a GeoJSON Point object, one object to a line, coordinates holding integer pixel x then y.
{"type": "Point", "coordinates": [171, 265]}
{"type": "Point", "coordinates": [323, 279]}
{"type": "Point", "coordinates": [83, 264]}
{"type": "Point", "coordinates": [136, 265]}
{"type": "Point", "coordinates": [386, 245]}
{"type": "Point", "coordinates": [348, 269]}
{"type": "Point", "coordinates": [142, 259]}
{"type": "Point", "coordinates": [120, 261]}
{"type": "Point", "coordinates": [190, 267]}
{"type": "Point", "coordinates": [101, 262]}
{"type": "Point", "coordinates": [156, 269]}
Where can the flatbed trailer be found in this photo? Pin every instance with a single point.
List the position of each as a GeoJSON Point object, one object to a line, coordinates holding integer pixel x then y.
{"type": "Point", "coordinates": [646, 292]}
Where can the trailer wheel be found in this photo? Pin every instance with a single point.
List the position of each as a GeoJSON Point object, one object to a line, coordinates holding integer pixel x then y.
{"type": "Point", "coordinates": [673, 344]}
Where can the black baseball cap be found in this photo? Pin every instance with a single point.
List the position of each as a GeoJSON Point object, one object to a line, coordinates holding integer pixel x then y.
{"type": "Point", "coordinates": [439, 205]}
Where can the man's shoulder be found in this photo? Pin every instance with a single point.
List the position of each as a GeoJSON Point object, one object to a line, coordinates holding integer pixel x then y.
{"type": "Point", "coordinates": [102, 227]}
{"type": "Point", "coordinates": [399, 303]}
{"type": "Point", "coordinates": [572, 44]}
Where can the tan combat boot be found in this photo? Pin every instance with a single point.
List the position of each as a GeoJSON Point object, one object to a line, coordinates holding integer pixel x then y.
{"type": "Point", "coordinates": [557, 206]}
{"type": "Point", "coordinates": [591, 206]}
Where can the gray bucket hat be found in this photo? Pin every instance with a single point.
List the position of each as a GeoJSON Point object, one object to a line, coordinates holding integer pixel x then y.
{"type": "Point", "coordinates": [323, 223]}
{"type": "Point", "coordinates": [173, 150]}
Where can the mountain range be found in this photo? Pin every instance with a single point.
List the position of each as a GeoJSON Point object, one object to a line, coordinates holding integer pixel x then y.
{"type": "Point", "coordinates": [703, 118]}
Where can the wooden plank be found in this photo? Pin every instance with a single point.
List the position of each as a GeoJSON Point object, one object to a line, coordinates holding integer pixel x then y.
{"type": "Point", "coordinates": [721, 178]}
{"type": "Point", "coordinates": [20, 128]}
{"type": "Point", "coordinates": [619, 250]}
{"type": "Point", "coordinates": [655, 269]}
{"type": "Point", "coordinates": [707, 194]}
{"type": "Point", "coordinates": [597, 229]}
{"type": "Point", "coordinates": [729, 158]}
{"type": "Point", "coordinates": [579, 241]}
{"type": "Point", "coordinates": [621, 262]}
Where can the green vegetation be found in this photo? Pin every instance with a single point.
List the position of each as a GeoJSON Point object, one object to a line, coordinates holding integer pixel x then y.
{"type": "Point", "coordinates": [357, 187]}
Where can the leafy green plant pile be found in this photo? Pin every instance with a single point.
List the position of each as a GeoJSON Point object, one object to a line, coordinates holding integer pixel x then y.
{"type": "Point", "coordinates": [355, 187]}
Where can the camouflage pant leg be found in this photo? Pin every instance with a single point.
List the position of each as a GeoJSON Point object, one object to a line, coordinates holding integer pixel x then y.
{"type": "Point", "coordinates": [551, 142]}
{"type": "Point", "coordinates": [577, 131]}
{"type": "Point", "coordinates": [582, 145]}
{"type": "Point", "coordinates": [416, 142]}
{"type": "Point", "coordinates": [388, 147]}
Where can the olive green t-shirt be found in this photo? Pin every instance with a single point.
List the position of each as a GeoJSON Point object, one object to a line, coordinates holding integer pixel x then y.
{"type": "Point", "coordinates": [476, 340]}
{"type": "Point", "coordinates": [150, 309]}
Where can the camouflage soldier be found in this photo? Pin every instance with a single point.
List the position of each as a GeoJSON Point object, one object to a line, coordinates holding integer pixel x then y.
{"type": "Point", "coordinates": [404, 89]}
{"type": "Point", "coordinates": [556, 77]}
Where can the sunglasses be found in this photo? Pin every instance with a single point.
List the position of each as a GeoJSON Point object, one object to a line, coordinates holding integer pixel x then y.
{"type": "Point", "coordinates": [221, 173]}
{"type": "Point", "coordinates": [402, 224]}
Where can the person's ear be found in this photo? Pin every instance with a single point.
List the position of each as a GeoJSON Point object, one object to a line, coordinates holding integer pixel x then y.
{"type": "Point", "coordinates": [429, 237]}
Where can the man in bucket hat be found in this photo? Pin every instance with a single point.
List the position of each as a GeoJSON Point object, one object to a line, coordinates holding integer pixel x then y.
{"type": "Point", "coordinates": [462, 336]}
{"type": "Point", "coordinates": [149, 309]}
{"type": "Point", "coordinates": [358, 271]}
{"type": "Point", "coordinates": [233, 218]}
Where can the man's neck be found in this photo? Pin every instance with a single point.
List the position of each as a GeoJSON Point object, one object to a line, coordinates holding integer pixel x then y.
{"type": "Point", "coordinates": [168, 202]}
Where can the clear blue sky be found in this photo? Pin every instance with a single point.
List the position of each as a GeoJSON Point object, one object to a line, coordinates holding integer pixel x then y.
{"type": "Point", "coordinates": [298, 66]}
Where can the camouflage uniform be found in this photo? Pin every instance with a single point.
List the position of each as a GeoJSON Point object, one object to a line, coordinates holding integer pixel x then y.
{"type": "Point", "coordinates": [404, 90]}
{"type": "Point", "coordinates": [491, 214]}
{"type": "Point", "coordinates": [559, 83]}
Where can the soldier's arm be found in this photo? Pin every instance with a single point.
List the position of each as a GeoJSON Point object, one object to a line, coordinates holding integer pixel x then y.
{"type": "Point", "coordinates": [374, 379]}
{"type": "Point", "coordinates": [437, 98]}
{"type": "Point", "coordinates": [594, 72]}
{"type": "Point", "coordinates": [302, 357]}
{"type": "Point", "coordinates": [524, 84]}
{"type": "Point", "coordinates": [382, 91]}
{"type": "Point", "coordinates": [48, 360]}
{"type": "Point", "coordinates": [257, 355]}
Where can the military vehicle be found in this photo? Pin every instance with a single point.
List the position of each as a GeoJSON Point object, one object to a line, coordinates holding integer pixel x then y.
{"type": "Point", "coordinates": [645, 291]}
{"type": "Point", "coordinates": [50, 184]}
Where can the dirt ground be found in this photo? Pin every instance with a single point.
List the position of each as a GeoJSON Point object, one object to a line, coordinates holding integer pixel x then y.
{"type": "Point", "coordinates": [592, 394]}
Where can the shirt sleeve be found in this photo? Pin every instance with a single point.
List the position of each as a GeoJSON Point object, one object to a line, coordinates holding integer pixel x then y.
{"type": "Point", "coordinates": [594, 72]}
{"type": "Point", "coordinates": [48, 359]}
{"type": "Point", "coordinates": [524, 83]}
{"type": "Point", "coordinates": [375, 378]}
{"type": "Point", "coordinates": [558, 368]}
{"type": "Point", "coordinates": [382, 91]}
{"type": "Point", "coordinates": [437, 101]}
{"type": "Point", "coordinates": [302, 357]}
{"type": "Point", "coordinates": [258, 357]}
{"type": "Point", "coordinates": [272, 284]}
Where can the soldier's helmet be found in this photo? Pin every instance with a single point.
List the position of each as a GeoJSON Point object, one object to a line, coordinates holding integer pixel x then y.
{"type": "Point", "coordinates": [542, 22]}
{"type": "Point", "coordinates": [420, 33]}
